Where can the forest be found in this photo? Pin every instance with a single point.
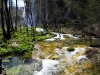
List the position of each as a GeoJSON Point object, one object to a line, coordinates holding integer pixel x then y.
{"type": "Point", "coordinates": [49, 37]}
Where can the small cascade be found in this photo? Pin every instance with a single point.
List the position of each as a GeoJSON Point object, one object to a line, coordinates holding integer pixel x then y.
{"type": "Point", "coordinates": [58, 36]}
{"type": "Point", "coordinates": [61, 37]}
{"type": "Point", "coordinates": [30, 15]}
{"type": "Point", "coordinates": [49, 67]}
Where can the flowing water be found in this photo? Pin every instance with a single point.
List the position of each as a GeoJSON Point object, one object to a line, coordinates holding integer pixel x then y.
{"type": "Point", "coordinates": [46, 10]}
{"type": "Point", "coordinates": [50, 57]}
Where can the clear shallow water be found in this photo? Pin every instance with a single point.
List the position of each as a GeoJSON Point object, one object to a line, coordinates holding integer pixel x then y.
{"type": "Point", "coordinates": [11, 64]}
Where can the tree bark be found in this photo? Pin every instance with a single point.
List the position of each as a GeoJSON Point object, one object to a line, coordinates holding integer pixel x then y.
{"type": "Point", "coordinates": [2, 20]}
{"type": "Point", "coordinates": [7, 20]}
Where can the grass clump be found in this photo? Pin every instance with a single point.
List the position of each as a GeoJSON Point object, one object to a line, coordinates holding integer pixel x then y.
{"type": "Point", "coordinates": [70, 48]}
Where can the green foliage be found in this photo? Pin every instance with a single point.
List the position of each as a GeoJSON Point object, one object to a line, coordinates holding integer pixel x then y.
{"type": "Point", "coordinates": [1, 39]}
{"type": "Point", "coordinates": [24, 45]}
{"type": "Point", "coordinates": [70, 48]}
{"type": "Point", "coordinates": [4, 51]}
{"type": "Point", "coordinates": [21, 48]}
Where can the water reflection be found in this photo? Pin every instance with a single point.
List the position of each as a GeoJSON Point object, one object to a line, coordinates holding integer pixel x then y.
{"type": "Point", "coordinates": [11, 61]}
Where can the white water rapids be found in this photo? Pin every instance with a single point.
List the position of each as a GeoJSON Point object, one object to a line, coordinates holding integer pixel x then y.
{"type": "Point", "coordinates": [60, 36]}
{"type": "Point", "coordinates": [49, 67]}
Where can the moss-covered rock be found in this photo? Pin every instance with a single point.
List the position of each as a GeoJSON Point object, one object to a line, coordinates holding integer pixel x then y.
{"type": "Point", "coordinates": [71, 48]}
{"type": "Point", "coordinates": [54, 56]}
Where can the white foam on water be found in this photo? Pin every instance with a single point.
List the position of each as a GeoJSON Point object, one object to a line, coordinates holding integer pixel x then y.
{"type": "Point", "coordinates": [51, 39]}
{"type": "Point", "coordinates": [48, 67]}
{"type": "Point", "coordinates": [71, 36]}
{"type": "Point", "coordinates": [58, 36]}
{"type": "Point", "coordinates": [77, 50]}
{"type": "Point", "coordinates": [81, 58]}
{"type": "Point", "coordinates": [39, 29]}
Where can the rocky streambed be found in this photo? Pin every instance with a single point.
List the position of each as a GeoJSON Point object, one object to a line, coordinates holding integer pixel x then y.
{"type": "Point", "coordinates": [51, 57]}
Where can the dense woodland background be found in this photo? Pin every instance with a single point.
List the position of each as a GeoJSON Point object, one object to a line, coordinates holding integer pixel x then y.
{"type": "Point", "coordinates": [76, 14]}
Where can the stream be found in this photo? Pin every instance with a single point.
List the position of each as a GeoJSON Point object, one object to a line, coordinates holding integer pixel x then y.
{"type": "Point", "coordinates": [50, 57]}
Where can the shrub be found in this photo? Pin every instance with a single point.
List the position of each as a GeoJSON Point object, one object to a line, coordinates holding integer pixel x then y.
{"type": "Point", "coordinates": [4, 51]}
{"type": "Point", "coordinates": [71, 48]}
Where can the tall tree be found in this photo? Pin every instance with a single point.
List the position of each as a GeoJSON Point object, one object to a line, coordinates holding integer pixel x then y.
{"type": "Point", "coordinates": [7, 13]}
{"type": "Point", "coordinates": [10, 10]}
{"type": "Point", "coordinates": [2, 20]}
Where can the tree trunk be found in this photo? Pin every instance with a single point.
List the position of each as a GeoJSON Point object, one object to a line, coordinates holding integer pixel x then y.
{"type": "Point", "coordinates": [2, 20]}
{"type": "Point", "coordinates": [7, 20]}
{"type": "Point", "coordinates": [34, 33]}
{"type": "Point", "coordinates": [10, 9]}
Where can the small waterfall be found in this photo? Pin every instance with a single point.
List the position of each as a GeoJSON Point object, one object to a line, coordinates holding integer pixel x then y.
{"type": "Point", "coordinates": [46, 10]}
{"type": "Point", "coordinates": [67, 13]}
{"type": "Point", "coordinates": [33, 12]}
{"type": "Point", "coordinates": [24, 11]}
{"type": "Point", "coordinates": [48, 67]}
{"type": "Point", "coordinates": [40, 17]}
{"type": "Point", "coordinates": [30, 15]}
{"type": "Point", "coordinates": [20, 3]}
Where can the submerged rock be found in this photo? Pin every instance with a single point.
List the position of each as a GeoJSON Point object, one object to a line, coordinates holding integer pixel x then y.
{"type": "Point", "coordinates": [28, 69]}
{"type": "Point", "coordinates": [37, 47]}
